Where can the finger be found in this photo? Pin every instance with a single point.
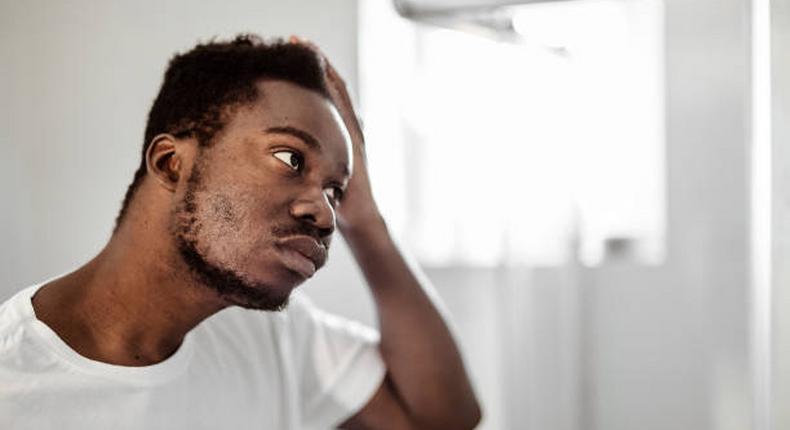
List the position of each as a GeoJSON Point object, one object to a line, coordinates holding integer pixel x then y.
{"type": "Point", "coordinates": [307, 43]}
{"type": "Point", "coordinates": [330, 69]}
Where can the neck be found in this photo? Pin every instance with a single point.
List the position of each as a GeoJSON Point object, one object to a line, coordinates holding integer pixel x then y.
{"type": "Point", "coordinates": [133, 303]}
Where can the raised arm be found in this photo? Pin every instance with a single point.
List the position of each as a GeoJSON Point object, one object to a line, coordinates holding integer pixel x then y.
{"type": "Point", "coordinates": [426, 384]}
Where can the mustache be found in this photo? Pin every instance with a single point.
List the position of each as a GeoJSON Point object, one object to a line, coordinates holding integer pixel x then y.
{"type": "Point", "coordinates": [320, 235]}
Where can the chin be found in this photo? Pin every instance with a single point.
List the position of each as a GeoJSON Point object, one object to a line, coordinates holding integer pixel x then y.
{"type": "Point", "coordinates": [275, 277]}
{"type": "Point", "coordinates": [266, 290]}
{"type": "Point", "coordinates": [259, 296]}
{"type": "Point", "coordinates": [260, 286]}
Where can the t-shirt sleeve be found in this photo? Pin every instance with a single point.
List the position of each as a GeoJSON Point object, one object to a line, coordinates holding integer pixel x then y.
{"type": "Point", "coordinates": [338, 363]}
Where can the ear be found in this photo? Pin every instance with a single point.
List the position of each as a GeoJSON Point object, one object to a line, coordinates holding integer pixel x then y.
{"type": "Point", "coordinates": [163, 161]}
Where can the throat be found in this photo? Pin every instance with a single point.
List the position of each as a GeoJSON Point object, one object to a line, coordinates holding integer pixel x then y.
{"type": "Point", "coordinates": [117, 323]}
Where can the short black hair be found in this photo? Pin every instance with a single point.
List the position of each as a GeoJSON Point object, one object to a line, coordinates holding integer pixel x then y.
{"type": "Point", "coordinates": [202, 87]}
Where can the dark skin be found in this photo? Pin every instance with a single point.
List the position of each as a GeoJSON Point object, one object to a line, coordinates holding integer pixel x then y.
{"type": "Point", "coordinates": [257, 185]}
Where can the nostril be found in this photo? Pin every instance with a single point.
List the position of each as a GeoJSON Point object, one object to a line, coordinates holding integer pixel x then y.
{"type": "Point", "coordinates": [321, 218]}
{"type": "Point", "coordinates": [325, 232]}
{"type": "Point", "coordinates": [319, 229]}
{"type": "Point", "coordinates": [309, 218]}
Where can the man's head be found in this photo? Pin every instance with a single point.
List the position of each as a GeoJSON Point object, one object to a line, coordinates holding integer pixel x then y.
{"type": "Point", "coordinates": [245, 143]}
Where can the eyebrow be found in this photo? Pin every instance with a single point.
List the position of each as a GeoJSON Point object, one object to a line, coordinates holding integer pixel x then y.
{"type": "Point", "coordinates": [304, 136]}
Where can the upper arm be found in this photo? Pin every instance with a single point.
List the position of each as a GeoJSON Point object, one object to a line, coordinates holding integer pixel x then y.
{"type": "Point", "coordinates": [383, 411]}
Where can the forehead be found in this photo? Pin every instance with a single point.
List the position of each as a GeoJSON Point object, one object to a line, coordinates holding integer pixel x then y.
{"type": "Point", "coordinates": [284, 104]}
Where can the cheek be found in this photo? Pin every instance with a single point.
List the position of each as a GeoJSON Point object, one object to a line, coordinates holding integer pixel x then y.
{"type": "Point", "coordinates": [236, 223]}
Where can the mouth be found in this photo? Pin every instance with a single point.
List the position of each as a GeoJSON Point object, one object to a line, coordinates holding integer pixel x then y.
{"type": "Point", "coordinates": [302, 254]}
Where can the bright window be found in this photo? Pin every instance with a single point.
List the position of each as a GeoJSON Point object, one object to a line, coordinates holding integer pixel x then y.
{"type": "Point", "coordinates": [531, 145]}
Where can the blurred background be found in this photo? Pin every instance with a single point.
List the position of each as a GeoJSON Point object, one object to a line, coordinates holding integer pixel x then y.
{"type": "Point", "coordinates": [598, 189]}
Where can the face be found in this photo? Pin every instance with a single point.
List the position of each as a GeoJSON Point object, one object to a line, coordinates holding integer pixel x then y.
{"type": "Point", "coordinates": [256, 215]}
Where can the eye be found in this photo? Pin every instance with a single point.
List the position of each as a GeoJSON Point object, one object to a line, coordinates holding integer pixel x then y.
{"type": "Point", "coordinates": [292, 158]}
{"type": "Point", "coordinates": [335, 194]}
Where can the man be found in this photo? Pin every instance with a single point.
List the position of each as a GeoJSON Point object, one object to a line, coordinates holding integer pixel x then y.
{"type": "Point", "coordinates": [252, 156]}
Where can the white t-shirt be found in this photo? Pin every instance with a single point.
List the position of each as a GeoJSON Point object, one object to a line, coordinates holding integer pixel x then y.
{"type": "Point", "coordinates": [239, 369]}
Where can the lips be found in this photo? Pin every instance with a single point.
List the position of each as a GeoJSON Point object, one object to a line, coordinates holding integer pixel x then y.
{"type": "Point", "coordinates": [302, 254]}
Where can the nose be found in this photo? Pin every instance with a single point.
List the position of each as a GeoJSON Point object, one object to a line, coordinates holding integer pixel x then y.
{"type": "Point", "coordinates": [314, 209]}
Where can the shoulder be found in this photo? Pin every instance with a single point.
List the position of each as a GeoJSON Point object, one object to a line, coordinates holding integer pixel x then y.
{"type": "Point", "coordinates": [302, 332]}
{"type": "Point", "coordinates": [238, 318]}
{"type": "Point", "coordinates": [307, 320]}
{"type": "Point", "coordinates": [20, 346]}
{"type": "Point", "coordinates": [250, 327]}
{"type": "Point", "coordinates": [15, 313]}
{"type": "Point", "coordinates": [301, 319]}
